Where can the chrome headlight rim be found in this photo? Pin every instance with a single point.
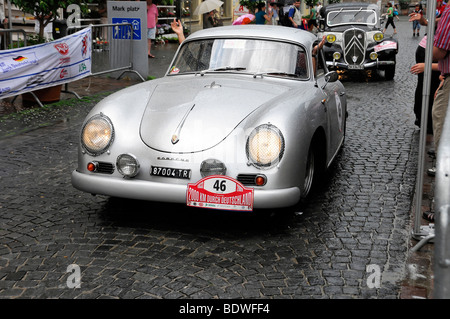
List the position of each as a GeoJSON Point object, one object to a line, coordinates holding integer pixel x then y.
{"type": "Point", "coordinates": [102, 149]}
{"type": "Point", "coordinates": [331, 38]}
{"type": "Point", "coordinates": [378, 37]}
{"type": "Point", "coordinates": [274, 159]}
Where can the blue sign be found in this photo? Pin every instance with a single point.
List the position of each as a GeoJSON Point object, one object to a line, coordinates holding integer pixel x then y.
{"type": "Point", "coordinates": [123, 31]}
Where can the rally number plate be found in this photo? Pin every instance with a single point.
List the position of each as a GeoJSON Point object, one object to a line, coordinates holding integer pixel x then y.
{"type": "Point", "coordinates": [220, 192]}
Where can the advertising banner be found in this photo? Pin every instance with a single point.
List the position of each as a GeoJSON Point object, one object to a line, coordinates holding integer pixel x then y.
{"type": "Point", "coordinates": [44, 65]}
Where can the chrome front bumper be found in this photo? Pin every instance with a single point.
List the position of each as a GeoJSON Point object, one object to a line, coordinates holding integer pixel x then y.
{"type": "Point", "coordinates": [365, 66]}
{"type": "Point", "coordinates": [171, 193]}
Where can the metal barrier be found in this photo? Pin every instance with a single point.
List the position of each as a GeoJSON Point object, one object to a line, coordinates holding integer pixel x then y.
{"type": "Point", "coordinates": [112, 48]}
{"type": "Point", "coordinates": [442, 215]}
{"type": "Point", "coordinates": [12, 39]}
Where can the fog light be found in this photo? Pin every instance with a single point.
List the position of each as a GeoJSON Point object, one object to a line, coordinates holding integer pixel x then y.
{"type": "Point", "coordinates": [260, 180]}
{"type": "Point", "coordinates": [92, 166]}
{"type": "Point", "coordinates": [127, 165]}
{"type": "Point", "coordinates": [212, 167]}
{"type": "Point", "coordinates": [336, 55]}
{"type": "Point", "coordinates": [373, 56]}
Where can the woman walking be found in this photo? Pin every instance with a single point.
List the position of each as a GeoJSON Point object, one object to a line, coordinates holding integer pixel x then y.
{"type": "Point", "coordinates": [390, 20]}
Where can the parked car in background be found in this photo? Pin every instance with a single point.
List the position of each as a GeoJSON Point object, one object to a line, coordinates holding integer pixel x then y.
{"type": "Point", "coordinates": [355, 41]}
{"type": "Point", "coordinates": [241, 121]}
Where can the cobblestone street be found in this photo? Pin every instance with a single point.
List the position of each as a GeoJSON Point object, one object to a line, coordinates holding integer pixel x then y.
{"type": "Point", "coordinates": [127, 249]}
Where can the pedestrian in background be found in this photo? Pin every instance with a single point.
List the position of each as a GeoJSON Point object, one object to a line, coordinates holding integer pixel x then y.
{"type": "Point", "coordinates": [261, 17]}
{"type": "Point", "coordinates": [152, 21]}
{"type": "Point", "coordinates": [390, 16]}
{"type": "Point", "coordinates": [441, 46]}
{"type": "Point", "coordinates": [312, 22]}
{"type": "Point", "coordinates": [273, 9]}
{"type": "Point", "coordinates": [295, 16]}
{"type": "Point", "coordinates": [416, 23]}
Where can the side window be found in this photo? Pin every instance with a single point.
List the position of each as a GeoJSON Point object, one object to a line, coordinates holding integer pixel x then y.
{"type": "Point", "coordinates": [320, 64]}
{"type": "Point", "coordinates": [300, 66]}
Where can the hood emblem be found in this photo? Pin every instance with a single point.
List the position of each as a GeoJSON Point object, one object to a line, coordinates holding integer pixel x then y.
{"type": "Point", "coordinates": [176, 134]}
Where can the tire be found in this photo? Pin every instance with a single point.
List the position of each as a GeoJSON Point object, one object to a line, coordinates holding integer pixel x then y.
{"type": "Point", "coordinates": [389, 73]}
{"type": "Point", "coordinates": [310, 172]}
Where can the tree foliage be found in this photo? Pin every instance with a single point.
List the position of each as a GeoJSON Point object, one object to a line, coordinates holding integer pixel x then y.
{"type": "Point", "coordinates": [46, 11]}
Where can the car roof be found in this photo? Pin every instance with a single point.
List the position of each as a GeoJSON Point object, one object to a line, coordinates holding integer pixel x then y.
{"type": "Point", "coordinates": [257, 31]}
{"type": "Point", "coordinates": [351, 5]}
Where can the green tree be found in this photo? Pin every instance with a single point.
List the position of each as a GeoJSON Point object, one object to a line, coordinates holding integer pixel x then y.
{"type": "Point", "coordinates": [46, 11]}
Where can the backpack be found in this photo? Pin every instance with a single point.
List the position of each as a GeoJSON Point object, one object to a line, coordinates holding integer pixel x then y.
{"type": "Point", "coordinates": [284, 19]}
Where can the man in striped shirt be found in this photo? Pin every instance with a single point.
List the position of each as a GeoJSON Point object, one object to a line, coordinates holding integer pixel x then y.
{"type": "Point", "coordinates": [441, 48]}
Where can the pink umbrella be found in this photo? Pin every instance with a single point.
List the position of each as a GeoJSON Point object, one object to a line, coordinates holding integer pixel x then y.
{"type": "Point", "coordinates": [244, 19]}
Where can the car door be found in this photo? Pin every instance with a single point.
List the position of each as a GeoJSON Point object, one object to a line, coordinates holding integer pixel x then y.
{"type": "Point", "coordinates": [334, 102]}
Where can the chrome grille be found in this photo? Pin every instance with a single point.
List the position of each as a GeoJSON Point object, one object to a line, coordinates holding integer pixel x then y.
{"type": "Point", "coordinates": [105, 168]}
{"type": "Point", "coordinates": [354, 41]}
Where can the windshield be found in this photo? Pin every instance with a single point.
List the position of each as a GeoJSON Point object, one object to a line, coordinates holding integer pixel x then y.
{"type": "Point", "coordinates": [242, 56]}
{"type": "Point", "coordinates": [354, 16]}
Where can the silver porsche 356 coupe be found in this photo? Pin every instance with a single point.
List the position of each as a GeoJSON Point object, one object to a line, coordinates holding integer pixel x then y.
{"type": "Point", "coordinates": [245, 118]}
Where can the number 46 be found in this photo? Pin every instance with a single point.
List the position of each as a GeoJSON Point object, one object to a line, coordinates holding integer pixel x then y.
{"type": "Point", "coordinates": [220, 185]}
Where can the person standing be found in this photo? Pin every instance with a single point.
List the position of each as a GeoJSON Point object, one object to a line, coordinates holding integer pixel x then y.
{"type": "Point", "coordinates": [390, 16]}
{"type": "Point", "coordinates": [295, 16]}
{"type": "Point", "coordinates": [152, 21]}
{"type": "Point", "coordinates": [261, 16]}
{"type": "Point", "coordinates": [273, 9]}
{"type": "Point", "coordinates": [312, 22]}
{"type": "Point", "coordinates": [416, 23]}
{"type": "Point", "coordinates": [441, 47]}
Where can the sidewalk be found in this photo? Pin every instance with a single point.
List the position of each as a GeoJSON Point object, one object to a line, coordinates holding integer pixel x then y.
{"type": "Point", "coordinates": [418, 282]}
{"type": "Point", "coordinates": [105, 83]}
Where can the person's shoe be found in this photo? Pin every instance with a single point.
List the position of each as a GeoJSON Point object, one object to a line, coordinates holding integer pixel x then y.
{"type": "Point", "coordinates": [431, 171]}
{"type": "Point", "coordinates": [431, 152]}
{"type": "Point", "coordinates": [428, 216]}
{"type": "Point", "coordinates": [414, 34]}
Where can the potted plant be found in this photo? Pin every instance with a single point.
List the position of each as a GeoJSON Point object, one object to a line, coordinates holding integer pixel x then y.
{"type": "Point", "coordinates": [46, 12]}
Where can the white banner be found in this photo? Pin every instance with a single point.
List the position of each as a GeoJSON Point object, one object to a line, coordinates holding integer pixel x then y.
{"type": "Point", "coordinates": [35, 67]}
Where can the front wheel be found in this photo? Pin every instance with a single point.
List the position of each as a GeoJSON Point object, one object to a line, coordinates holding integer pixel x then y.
{"type": "Point", "coordinates": [310, 170]}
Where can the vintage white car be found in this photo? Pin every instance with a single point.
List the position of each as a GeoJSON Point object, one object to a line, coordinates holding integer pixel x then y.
{"type": "Point", "coordinates": [241, 121]}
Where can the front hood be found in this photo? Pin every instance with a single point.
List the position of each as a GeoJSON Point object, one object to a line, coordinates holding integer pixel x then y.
{"type": "Point", "coordinates": [194, 114]}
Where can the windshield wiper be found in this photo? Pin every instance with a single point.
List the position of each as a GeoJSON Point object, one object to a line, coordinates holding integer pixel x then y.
{"type": "Point", "coordinates": [225, 68]}
{"type": "Point", "coordinates": [360, 9]}
{"type": "Point", "coordinates": [230, 68]}
{"type": "Point", "coordinates": [292, 75]}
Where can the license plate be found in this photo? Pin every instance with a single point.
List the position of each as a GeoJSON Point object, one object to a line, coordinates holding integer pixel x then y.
{"type": "Point", "coordinates": [355, 67]}
{"type": "Point", "coordinates": [220, 192]}
{"type": "Point", "coordinates": [170, 172]}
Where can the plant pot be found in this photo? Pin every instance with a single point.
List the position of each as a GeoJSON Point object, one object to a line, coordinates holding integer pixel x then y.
{"type": "Point", "coordinates": [45, 95]}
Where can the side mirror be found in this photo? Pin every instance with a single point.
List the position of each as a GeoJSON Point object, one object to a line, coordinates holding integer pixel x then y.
{"type": "Point", "coordinates": [331, 76]}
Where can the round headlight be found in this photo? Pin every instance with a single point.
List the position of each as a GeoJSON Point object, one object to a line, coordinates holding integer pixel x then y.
{"type": "Point", "coordinates": [378, 36]}
{"type": "Point", "coordinates": [97, 134]}
{"type": "Point", "coordinates": [265, 146]}
{"type": "Point", "coordinates": [336, 55]}
{"type": "Point", "coordinates": [331, 38]}
{"type": "Point", "coordinates": [373, 56]}
{"type": "Point", "coordinates": [127, 165]}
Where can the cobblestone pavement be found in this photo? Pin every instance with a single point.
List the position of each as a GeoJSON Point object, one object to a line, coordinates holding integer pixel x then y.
{"type": "Point", "coordinates": [356, 226]}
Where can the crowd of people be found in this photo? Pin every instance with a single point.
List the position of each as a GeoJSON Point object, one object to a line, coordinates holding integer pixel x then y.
{"type": "Point", "coordinates": [440, 76]}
